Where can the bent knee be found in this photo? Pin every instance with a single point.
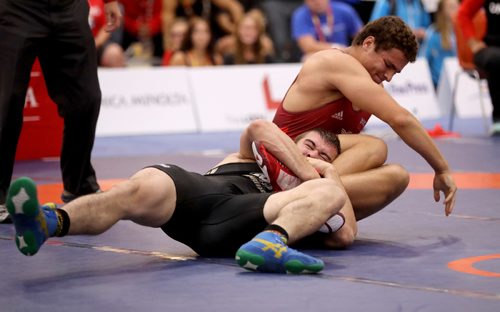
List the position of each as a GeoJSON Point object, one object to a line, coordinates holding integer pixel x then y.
{"type": "Point", "coordinates": [380, 150]}
{"type": "Point", "coordinates": [400, 176]}
{"type": "Point", "coordinates": [341, 239]}
{"type": "Point", "coordinates": [346, 238]}
{"type": "Point", "coordinates": [328, 195]}
{"type": "Point", "coordinates": [126, 192]}
{"type": "Point", "coordinates": [136, 195]}
{"type": "Point", "coordinates": [377, 148]}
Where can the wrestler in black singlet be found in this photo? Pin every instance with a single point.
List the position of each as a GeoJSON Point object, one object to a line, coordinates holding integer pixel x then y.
{"type": "Point", "coordinates": [217, 212]}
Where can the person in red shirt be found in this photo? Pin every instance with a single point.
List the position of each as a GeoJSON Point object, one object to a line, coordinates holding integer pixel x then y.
{"type": "Point", "coordinates": [487, 51]}
{"type": "Point", "coordinates": [109, 54]}
{"type": "Point", "coordinates": [339, 90]}
{"type": "Point", "coordinates": [142, 23]}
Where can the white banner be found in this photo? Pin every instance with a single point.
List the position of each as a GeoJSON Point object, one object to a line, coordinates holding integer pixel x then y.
{"type": "Point", "coordinates": [222, 98]}
{"type": "Point", "coordinates": [229, 97]}
{"type": "Point", "coordinates": [145, 101]}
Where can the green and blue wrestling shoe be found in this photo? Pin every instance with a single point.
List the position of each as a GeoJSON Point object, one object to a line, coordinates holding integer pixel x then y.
{"type": "Point", "coordinates": [268, 253]}
{"type": "Point", "coordinates": [33, 223]}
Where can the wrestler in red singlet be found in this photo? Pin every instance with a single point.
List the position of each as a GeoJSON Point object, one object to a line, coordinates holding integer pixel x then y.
{"type": "Point", "coordinates": [338, 117]}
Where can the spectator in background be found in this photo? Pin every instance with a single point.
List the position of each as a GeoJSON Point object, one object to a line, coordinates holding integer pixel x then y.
{"type": "Point", "coordinates": [486, 52]}
{"type": "Point", "coordinates": [109, 54]}
{"type": "Point", "coordinates": [249, 44]}
{"type": "Point", "coordinates": [410, 11]}
{"type": "Point", "coordinates": [221, 14]}
{"type": "Point", "coordinates": [279, 15]}
{"type": "Point", "coordinates": [249, 4]}
{"type": "Point", "coordinates": [174, 38]}
{"type": "Point", "coordinates": [320, 24]}
{"type": "Point", "coordinates": [439, 41]}
{"type": "Point", "coordinates": [197, 48]}
{"type": "Point", "coordinates": [142, 26]}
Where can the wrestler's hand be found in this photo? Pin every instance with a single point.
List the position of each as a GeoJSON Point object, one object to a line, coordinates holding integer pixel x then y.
{"type": "Point", "coordinates": [443, 182]}
{"type": "Point", "coordinates": [113, 16]}
{"type": "Point", "coordinates": [325, 169]}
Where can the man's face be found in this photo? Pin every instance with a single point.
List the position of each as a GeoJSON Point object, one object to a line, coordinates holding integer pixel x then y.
{"type": "Point", "coordinates": [382, 65]}
{"type": "Point", "coordinates": [314, 146]}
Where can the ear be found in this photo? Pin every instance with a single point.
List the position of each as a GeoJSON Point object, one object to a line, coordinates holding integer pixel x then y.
{"type": "Point", "coordinates": [369, 43]}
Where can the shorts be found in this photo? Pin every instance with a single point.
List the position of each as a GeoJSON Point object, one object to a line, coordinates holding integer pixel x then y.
{"type": "Point", "coordinates": [214, 215]}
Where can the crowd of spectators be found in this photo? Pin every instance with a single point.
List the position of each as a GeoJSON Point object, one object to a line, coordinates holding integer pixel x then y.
{"type": "Point", "coordinates": [263, 31]}
{"type": "Point", "coordinates": [229, 32]}
{"type": "Point", "coordinates": [158, 32]}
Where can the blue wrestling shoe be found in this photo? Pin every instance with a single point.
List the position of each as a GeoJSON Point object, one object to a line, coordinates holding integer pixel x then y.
{"type": "Point", "coordinates": [267, 252]}
{"type": "Point", "coordinates": [33, 223]}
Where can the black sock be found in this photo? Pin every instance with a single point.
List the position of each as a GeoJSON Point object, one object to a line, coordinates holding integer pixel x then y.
{"type": "Point", "coordinates": [62, 223]}
{"type": "Point", "coordinates": [278, 229]}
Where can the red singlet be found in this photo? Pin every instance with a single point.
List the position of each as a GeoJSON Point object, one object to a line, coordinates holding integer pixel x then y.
{"type": "Point", "coordinates": [337, 117]}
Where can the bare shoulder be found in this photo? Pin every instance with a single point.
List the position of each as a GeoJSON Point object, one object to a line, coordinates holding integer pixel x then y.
{"type": "Point", "coordinates": [333, 61]}
{"type": "Point", "coordinates": [326, 71]}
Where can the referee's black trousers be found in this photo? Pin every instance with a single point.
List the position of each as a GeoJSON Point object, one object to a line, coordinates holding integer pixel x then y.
{"type": "Point", "coordinates": [58, 33]}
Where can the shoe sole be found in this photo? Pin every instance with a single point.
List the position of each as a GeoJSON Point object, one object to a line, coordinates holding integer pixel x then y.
{"type": "Point", "coordinates": [254, 262]}
{"type": "Point", "coordinates": [248, 260]}
{"type": "Point", "coordinates": [22, 203]}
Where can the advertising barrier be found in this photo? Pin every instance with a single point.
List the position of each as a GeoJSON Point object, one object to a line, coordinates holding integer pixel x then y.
{"type": "Point", "coordinates": [137, 101]}
{"type": "Point", "coordinates": [42, 131]}
{"type": "Point", "coordinates": [156, 100]}
{"type": "Point", "coordinates": [224, 98]}
{"type": "Point", "coordinates": [228, 98]}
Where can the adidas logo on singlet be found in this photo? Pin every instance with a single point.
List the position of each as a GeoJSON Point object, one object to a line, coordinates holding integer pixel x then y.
{"type": "Point", "coordinates": [339, 115]}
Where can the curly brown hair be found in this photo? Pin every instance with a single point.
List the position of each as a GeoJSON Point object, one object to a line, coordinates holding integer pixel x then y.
{"type": "Point", "coordinates": [390, 32]}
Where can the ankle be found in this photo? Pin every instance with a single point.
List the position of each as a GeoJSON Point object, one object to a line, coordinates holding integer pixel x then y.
{"type": "Point", "coordinates": [278, 230]}
{"type": "Point", "coordinates": [63, 223]}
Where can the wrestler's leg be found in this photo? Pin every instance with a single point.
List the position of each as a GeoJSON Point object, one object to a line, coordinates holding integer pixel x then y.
{"type": "Point", "coordinates": [372, 190]}
{"type": "Point", "coordinates": [305, 208]}
{"type": "Point", "coordinates": [368, 193]}
{"type": "Point", "coordinates": [359, 153]}
{"type": "Point", "coordinates": [292, 215]}
{"type": "Point", "coordinates": [147, 198]}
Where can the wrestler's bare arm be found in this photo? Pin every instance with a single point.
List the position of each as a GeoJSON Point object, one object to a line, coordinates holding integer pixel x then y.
{"type": "Point", "coordinates": [354, 82]}
{"type": "Point", "coordinates": [277, 143]}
